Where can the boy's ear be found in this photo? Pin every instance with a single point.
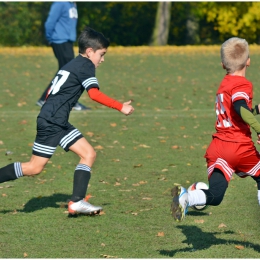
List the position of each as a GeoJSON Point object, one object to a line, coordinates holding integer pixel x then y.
{"type": "Point", "coordinates": [248, 62]}
{"type": "Point", "coordinates": [88, 52]}
{"type": "Point", "coordinates": [223, 66]}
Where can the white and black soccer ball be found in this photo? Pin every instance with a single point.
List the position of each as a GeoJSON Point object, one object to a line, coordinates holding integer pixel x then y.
{"type": "Point", "coordinates": [199, 186]}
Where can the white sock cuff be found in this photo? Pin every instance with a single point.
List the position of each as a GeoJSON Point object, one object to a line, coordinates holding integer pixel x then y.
{"type": "Point", "coordinates": [196, 197]}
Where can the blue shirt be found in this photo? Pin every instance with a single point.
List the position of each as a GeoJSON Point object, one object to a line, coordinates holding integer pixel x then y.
{"type": "Point", "coordinates": [61, 23]}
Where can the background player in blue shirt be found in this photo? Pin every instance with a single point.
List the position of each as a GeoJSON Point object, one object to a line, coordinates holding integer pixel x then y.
{"type": "Point", "coordinates": [53, 128]}
{"type": "Point", "coordinates": [61, 33]}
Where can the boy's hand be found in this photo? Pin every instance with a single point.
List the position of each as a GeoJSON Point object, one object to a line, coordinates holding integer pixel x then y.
{"type": "Point", "coordinates": [258, 140]}
{"type": "Point", "coordinates": [127, 109]}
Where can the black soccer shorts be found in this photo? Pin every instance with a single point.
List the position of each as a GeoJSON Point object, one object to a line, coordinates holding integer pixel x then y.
{"type": "Point", "coordinates": [49, 136]}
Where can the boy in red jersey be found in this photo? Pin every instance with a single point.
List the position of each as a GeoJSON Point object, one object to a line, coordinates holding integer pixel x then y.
{"type": "Point", "coordinates": [53, 127]}
{"type": "Point", "coordinates": [231, 149]}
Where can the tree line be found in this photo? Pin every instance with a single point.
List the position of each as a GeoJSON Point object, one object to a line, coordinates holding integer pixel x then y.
{"type": "Point", "coordinates": [135, 23]}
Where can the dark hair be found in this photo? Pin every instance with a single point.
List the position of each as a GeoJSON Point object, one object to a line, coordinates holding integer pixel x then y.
{"type": "Point", "coordinates": [89, 38]}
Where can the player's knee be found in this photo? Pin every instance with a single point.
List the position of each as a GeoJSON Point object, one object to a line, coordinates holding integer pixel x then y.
{"type": "Point", "coordinates": [90, 155]}
{"type": "Point", "coordinates": [217, 188]}
{"type": "Point", "coordinates": [214, 197]}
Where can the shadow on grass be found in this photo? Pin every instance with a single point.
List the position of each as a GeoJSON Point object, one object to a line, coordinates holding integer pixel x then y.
{"type": "Point", "coordinates": [199, 240]}
{"type": "Point", "coordinates": [57, 200]}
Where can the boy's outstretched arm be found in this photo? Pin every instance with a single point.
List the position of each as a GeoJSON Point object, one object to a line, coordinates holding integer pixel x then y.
{"type": "Point", "coordinates": [103, 99]}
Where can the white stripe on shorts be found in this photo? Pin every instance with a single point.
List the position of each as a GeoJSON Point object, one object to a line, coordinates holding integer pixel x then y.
{"type": "Point", "coordinates": [43, 148]}
{"type": "Point", "coordinates": [69, 137]}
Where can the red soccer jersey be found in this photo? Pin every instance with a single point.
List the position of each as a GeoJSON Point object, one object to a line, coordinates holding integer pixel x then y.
{"type": "Point", "coordinates": [229, 125]}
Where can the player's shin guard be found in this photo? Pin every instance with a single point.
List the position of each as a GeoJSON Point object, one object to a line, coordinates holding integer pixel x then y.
{"type": "Point", "coordinates": [11, 172]}
{"type": "Point", "coordinates": [80, 183]}
{"type": "Point", "coordinates": [217, 188]}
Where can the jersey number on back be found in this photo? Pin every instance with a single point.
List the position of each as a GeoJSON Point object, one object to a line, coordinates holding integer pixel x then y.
{"type": "Point", "coordinates": [222, 117]}
{"type": "Point", "coordinates": [58, 81]}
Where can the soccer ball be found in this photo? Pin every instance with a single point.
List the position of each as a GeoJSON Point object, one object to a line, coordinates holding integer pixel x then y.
{"type": "Point", "coordinates": [198, 186]}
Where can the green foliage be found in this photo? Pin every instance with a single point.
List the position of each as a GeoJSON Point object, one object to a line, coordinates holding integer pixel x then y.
{"type": "Point", "coordinates": [132, 23]}
{"type": "Point", "coordinates": [125, 24]}
{"type": "Point", "coordinates": [22, 23]}
{"type": "Point", "coordinates": [240, 19]}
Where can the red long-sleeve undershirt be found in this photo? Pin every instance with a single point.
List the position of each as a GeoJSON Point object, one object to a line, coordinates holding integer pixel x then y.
{"type": "Point", "coordinates": [103, 99]}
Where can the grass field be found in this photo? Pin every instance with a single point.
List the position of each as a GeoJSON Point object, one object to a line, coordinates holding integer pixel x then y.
{"type": "Point", "coordinates": [139, 158]}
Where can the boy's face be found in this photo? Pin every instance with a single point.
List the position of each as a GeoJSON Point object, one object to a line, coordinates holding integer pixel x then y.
{"type": "Point", "coordinates": [97, 57]}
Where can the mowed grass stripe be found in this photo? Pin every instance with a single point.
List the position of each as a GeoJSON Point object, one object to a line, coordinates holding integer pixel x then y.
{"type": "Point", "coordinates": [111, 113]}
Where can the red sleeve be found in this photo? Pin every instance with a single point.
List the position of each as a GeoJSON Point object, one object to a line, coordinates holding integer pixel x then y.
{"type": "Point", "coordinates": [101, 98]}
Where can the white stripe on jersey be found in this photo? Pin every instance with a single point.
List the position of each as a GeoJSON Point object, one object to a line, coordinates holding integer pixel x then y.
{"type": "Point", "coordinates": [43, 148]}
{"type": "Point", "coordinates": [69, 137]}
{"type": "Point", "coordinates": [240, 94]}
{"type": "Point", "coordinates": [83, 167]}
{"type": "Point", "coordinates": [89, 82]}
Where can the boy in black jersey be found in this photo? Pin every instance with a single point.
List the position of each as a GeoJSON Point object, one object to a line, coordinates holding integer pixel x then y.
{"type": "Point", "coordinates": [53, 128]}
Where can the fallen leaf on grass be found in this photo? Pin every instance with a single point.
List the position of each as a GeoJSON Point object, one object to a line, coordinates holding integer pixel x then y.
{"type": "Point", "coordinates": [144, 146]}
{"type": "Point", "coordinates": [199, 220]}
{"type": "Point", "coordinates": [162, 179]}
{"type": "Point", "coordinates": [115, 160]}
{"type": "Point", "coordinates": [108, 256]}
{"type": "Point", "coordinates": [20, 104]}
{"type": "Point", "coordinates": [134, 213]}
{"type": "Point", "coordinates": [89, 134]}
{"type": "Point", "coordinates": [103, 181]}
{"type": "Point", "coordinates": [99, 147]}
{"type": "Point", "coordinates": [222, 225]}
{"type": "Point", "coordinates": [25, 254]}
{"type": "Point", "coordinates": [138, 165]}
{"type": "Point", "coordinates": [146, 198]}
{"type": "Point", "coordinates": [117, 184]}
{"type": "Point", "coordinates": [239, 247]}
{"type": "Point", "coordinates": [160, 234]}
{"type": "Point", "coordinates": [23, 122]}
{"type": "Point", "coordinates": [4, 195]}
{"type": "Point", "coordinates": [102, 244]}
{"type": "Point", "coordinates": [113, 124]}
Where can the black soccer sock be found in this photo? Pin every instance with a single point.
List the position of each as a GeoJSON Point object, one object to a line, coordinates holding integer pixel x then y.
{"type": "Point", "coordinates": [80, 182]}
{"type": "Point", "coordinates": [217, 188]}
{"type": "Point", "coordinates": [11, 172]}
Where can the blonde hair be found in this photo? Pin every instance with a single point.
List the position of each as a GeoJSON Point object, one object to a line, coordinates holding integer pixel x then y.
{"type": "Point", "coordinates": [234, 54]}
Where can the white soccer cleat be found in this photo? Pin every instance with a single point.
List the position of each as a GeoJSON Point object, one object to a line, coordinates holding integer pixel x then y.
{"type": "Point", "coordinates": [83, 207]}
{"type": "Point", "coordinates": [180, 203]}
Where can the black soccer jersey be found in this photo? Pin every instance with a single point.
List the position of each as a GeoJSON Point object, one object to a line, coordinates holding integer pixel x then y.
{"type": "Point", "coordinates": [67, 87]}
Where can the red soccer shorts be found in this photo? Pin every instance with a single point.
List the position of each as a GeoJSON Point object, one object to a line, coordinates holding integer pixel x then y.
{"type": "Point", "coordinates": [240, 158]}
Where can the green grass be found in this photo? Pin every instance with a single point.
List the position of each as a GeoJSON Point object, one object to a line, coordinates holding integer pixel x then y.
{"type": "Point", "coordinates": [142, 156]}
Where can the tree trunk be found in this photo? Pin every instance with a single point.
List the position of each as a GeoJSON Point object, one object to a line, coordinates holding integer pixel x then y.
{"type": "Point", "coordinates": [162, 24]}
